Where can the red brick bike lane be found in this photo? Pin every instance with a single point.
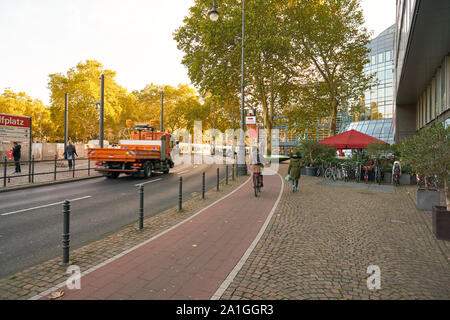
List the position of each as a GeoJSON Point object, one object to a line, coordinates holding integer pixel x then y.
{"type": "Point", "coordinates": [191, 261]}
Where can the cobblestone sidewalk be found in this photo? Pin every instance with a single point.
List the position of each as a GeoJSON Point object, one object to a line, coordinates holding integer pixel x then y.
{"type": "Point", "coordinates": [322, 239]}
{"type": "Point", "coordinates": [35, 280]}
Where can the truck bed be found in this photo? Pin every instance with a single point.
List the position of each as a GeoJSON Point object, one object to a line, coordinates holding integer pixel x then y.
{"type": "Point", "coordinates": [130, 154]}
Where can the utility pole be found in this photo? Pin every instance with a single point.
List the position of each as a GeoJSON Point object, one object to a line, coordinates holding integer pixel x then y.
{"type": "Point", "coordinates": [162, 110]}
{"type": "Point", "coordinates": [66, 120]}
{"type": "Point", "coordinates": [102, 105]}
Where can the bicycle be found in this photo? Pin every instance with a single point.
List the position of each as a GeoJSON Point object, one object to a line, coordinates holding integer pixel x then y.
{"type": "Point", "coordinates": [320, 171]}
{"type": "Point", "coordinates": [344, 175]}
{"type": "Point", "coordinates": [257, 183]}
{"type": "Point", "coordinates": [330, 173]}
{"type": "Point", "coordinates": [378, 174]}
{"type": "Point", "coordinates": [366, 173]}
{"type": "Point", "coordinates": [396, 176]}
{"type": "Point", "coordinates": [358, 173]}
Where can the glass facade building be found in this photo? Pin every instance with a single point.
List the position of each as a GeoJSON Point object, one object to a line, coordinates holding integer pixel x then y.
{"type": "Point", "coordinates": [375, 118]}
{"type": "Point", "coordinates": [378, 102]}
{"type": "Point", "coordinates": [381, 129]}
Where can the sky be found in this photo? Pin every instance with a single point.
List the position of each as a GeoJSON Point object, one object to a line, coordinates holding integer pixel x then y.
{"type": "Point", "coordinates": [133, 38]}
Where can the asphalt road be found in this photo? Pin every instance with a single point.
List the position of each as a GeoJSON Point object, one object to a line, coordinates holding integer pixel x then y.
{"type": "Point", "coordinates": [31, 219]}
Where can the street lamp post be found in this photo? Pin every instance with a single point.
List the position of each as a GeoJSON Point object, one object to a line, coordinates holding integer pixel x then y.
{"type": "Point", "coordinates": [241, 163]}
{"type": "Point", "coordinates": [102, 108]}
{"type": "Point", "coordinates": [66, 120]}
{"type": "Point", "coordinates": [162, 110]}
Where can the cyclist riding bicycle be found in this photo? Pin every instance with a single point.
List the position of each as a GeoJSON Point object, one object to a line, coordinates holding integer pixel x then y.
{"type": "Point", "coordinates": [257, 162]}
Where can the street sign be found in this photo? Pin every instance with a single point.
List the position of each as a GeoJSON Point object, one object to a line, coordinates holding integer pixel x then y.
{"type": "Point", "coordinates": [250, 120]}
{"type": "Point", "coordinates": [14, 128]}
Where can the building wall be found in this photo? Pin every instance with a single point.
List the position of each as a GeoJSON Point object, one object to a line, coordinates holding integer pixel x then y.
{"type": "Point", "coordinates": [422, 66]}
{"type": "Point", "coordinates": [434, 102]}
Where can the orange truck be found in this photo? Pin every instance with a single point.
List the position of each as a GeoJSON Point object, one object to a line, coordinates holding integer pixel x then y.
{"type": "Point", "coordinates": [146, 152]}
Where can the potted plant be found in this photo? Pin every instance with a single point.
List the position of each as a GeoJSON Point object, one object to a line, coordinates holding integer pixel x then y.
{"type": "Point", "coordinates": [313, 153]}
{"type": "Point", "coordinates": [407, 177]}
{"type": "Point", "coordinates": [387, 172]}
{"type": "Point", "coordinates": [429, 154]}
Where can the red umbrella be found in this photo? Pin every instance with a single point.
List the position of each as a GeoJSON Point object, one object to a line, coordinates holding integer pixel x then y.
{"type": "Point", "coordinates": [350, 140]}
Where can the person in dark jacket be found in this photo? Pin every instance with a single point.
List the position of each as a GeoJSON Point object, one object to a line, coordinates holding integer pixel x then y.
{"type": "Point", "coordinates": [16, 156]}
{"type": "Point", "coordinates": [70, 154]}
{"type": "Point", "coordinates": [295, 165]}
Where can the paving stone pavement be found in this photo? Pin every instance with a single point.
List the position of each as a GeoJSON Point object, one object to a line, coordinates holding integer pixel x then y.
{"type": "Point", "coordinates": [32, 281]}
{"type": "Point", "coordinates": [322, 239]}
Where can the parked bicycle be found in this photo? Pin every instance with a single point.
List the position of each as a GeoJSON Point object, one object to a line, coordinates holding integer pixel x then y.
{"type": "Point", "coordinates": [345, 174]}
{"type": "Point", "coordinates": [330, 173]}
{"type": "Point", "coordinates": [396, 173]}
{"type": "Point", "coordinates": [320, 171]}
{"type": "Point", "coordinates": [432, 182]}
{"type": "Point", "coordinates": [366, 170]}
{"type": "Point", "coordinates": [378, 173]}
{"type": "Point", "coordinates": [358, 172]}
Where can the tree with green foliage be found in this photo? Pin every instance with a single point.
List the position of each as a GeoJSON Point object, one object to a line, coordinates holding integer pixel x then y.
{"type": "Point", "coordinates": [213, 54]}
{"type": "Point", "coordinates": [23, 105]}
{"type": "Point", "coordinates": [428, 153]}
{"type": "Point", "coordinates": [82, 83]}
{"type": "Point", "coordinates": [328, 39]}
{"type": "Point", "coordinates": [180, 103]}
{"type": "Point", "coordinates": [314, 153]}
{"type": "Point", "coordinates": [377, 149]}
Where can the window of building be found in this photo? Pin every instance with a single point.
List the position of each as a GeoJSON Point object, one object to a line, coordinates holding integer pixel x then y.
{"type": "Point", "coordinates": [443, 93]}
{"type": "Point", "coordinates": [433, 98]}
{"type": "Point", "coordinates": [381, 57]}
{"type": "Point", "coordinates": [429, 104]}
{"type": "Point", "coordinates": [438, 91]}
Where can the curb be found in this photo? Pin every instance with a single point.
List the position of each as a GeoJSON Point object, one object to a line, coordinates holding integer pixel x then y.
{"type": "Point", "coordinates": [43, 184]}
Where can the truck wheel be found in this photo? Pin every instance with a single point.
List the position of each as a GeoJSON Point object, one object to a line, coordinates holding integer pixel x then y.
{"type": "Point", "coordinates": [147, 171]}
{"type": "Point", "coordinates": [113, 175]}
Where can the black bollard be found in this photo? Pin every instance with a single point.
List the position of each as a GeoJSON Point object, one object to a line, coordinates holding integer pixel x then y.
{"type": "Point", "coordinates": [66, 233]}
{"type": "Point", "coordinates": [226, 174]}
{"type": "Point", "coordinates": [217, 179]}
{"type": "Point", "coordinates": [73, 167]}
{"type": "Point", "coordinates": [180, 194]}
{"type": "Point", "coordinates": [32, 169]}
{"type": "Point", "coordinates": [5, 163]}
{"type": "Point", "coordinates": [141, 208]}
{"type": "Point", "coordinates": [54, 172]}
{"type": "Point", "coordinates": [232, 171]}
{"type": "Point", "coordinates": [203, 185]}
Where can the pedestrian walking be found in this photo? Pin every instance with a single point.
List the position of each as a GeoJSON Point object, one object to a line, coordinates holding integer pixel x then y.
{"type": "Point", "coordinates": [295, 165]}
{"type": "Point", "coordinates": [16, 156]}
{"type": "Point", "coordinates": [70, 154]}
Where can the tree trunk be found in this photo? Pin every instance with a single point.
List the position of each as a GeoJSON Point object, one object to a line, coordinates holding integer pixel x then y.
{"type": "Point", "coordinates": [268, 128]}
{"type": "Point", "coordinates": [333, 118]}
{"type": "Point", "coordinates": [447, 193]}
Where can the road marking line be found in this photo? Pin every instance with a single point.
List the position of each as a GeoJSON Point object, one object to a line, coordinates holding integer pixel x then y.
{"type": "Point", "coordinates": [225, 284]}
{"type": "Point", "coordinates": [184, 171]}
{"type": "Point", "coordinates": [44, 206]}
{"type": "Point", "coordinates": [141, 184]}
{"type": "Point", "coordinates": [120, 255]}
